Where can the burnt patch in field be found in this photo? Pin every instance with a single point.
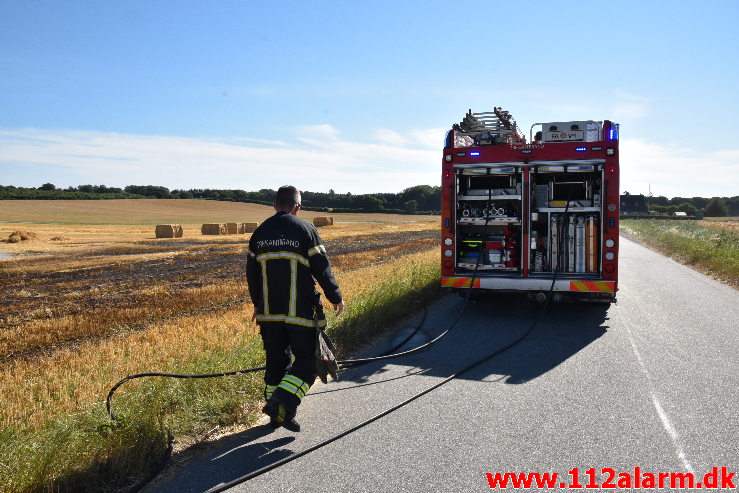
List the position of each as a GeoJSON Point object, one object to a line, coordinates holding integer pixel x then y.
{"type": "Point", "coordinates": [43, 312]}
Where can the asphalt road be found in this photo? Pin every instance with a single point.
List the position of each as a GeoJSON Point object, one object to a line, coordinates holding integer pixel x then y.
{"type": "Point", "coordinates": [649, 382]}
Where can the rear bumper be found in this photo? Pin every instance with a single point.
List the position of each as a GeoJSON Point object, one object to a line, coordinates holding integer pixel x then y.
{"type": "Point", "coordinates": [530, 284]}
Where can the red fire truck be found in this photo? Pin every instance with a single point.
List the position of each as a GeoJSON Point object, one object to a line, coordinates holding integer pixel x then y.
{"type": "Point", "coordinates": [534, 216]}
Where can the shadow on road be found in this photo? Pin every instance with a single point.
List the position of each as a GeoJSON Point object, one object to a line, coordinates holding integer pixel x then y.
{"type": "Point", "coordinates": [224, 461]}
{"type": "Point", "coordinates": [489, 323]}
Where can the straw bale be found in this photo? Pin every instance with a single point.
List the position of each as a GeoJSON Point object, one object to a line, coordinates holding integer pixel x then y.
{"type": "Point", "coordinates": [232, 228]}
{"type": "Point", "coordinates": [18, 236]}
{"type": "Point", "coordinates": [213, 229]}
{"type": "Point", "coordinates": [168, 231]}
{"type": "Point", "coordinates": [250, 227]}
{"type": "Point", "coordinates": [319, 221]}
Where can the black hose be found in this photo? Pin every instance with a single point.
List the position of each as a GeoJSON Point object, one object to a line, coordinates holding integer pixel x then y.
{"type": "Point", "coordinates": [343, 363]}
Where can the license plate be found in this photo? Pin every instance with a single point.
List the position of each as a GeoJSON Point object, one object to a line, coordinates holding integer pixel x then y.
{"type": "Point", "coordinates": [564, 136]}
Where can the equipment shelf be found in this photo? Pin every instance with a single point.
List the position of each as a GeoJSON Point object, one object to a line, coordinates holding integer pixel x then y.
{"type": "Point", "coordinates": [485, 197]}
{"type": "Point", "coordinates": [570, 209]}
{"type": "Point", "coordinates": [487, 267]}
{"type": "Point", "coordinates": [481, 221]}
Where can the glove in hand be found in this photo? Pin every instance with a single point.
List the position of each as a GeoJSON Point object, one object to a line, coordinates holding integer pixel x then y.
{"type": "Point", "coordinates": [325, 361]}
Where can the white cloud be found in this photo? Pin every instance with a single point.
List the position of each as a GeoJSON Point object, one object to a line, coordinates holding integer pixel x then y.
{"type": "Point", "coordinates": [317, 160]}
{"type": "Point", "coordinates": [678, 171]}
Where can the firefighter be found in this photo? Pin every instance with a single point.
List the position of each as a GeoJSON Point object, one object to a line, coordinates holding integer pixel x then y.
{"type": "Point", "coordinates": [285, 255]}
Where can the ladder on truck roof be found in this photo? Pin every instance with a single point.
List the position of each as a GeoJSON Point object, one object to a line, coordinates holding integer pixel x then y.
{"type": "Point", "coordinates": [488, 124]}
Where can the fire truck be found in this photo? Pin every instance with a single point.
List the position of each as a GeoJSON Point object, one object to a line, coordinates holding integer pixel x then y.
{"type": "Point", "coordinates": [535, 216]}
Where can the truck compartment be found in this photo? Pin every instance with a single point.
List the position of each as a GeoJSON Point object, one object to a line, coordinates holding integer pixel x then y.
{"type": "Point", "coordinates": [554, 210]}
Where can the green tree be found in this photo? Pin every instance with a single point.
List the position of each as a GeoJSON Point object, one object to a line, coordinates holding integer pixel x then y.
{"type": "Point", "coordinates": [716, 208]}
{"type": "Point", "coordinates": [410, 207]}
{"type": "Point", "coordinates": [47, 186]}
{"type": "Point", "coordinates": [368, 203]}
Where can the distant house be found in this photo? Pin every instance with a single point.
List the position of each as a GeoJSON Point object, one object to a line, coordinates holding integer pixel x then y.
{"type": "Point", "coordinates": [633, 205]}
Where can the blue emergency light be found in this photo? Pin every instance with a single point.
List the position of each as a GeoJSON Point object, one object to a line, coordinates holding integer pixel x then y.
{"type": "Point", "coordinates": [474, 153]}
{"type": "Point", "coordinates": [581, 149]}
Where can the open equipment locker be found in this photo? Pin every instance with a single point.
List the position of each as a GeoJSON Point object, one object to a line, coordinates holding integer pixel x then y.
{"type": "Point", "coordinates": [523, 217]}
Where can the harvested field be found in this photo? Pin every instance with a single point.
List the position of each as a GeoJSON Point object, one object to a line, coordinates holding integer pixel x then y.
{"type": "Point", "coordinates": [160, 211]}
{"type": "Point", "coordinates": [725, 224]}
{"type": "Point", "coordinates": [43, 311]}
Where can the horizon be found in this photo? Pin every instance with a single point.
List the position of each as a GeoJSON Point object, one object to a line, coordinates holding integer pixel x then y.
{"type": "Point", "coordinates": [356, 98]}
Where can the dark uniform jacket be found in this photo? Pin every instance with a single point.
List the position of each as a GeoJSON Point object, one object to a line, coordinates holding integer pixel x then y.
{"type": "Point", "coordinates": [285, 255]}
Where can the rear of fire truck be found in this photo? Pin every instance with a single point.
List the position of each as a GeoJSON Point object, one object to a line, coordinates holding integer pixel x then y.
{"type": "Point", "coordinates": [534, 216]}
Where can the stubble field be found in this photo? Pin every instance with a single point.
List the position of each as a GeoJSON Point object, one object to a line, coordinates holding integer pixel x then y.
{"type": "Point", "coordinates": [96, 298]}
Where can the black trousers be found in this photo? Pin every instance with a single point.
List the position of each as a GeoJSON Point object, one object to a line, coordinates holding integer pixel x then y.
{"type": "Point", "coordinates": [289, 380]}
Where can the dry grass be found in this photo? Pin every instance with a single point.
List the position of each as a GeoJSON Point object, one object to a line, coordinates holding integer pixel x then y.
{"type": "Point", "coordinates": [725, 224]}
{"type": "Point", "coordinates": [71, 380]}
{"type": "Point", "coordinates": [74, 319]}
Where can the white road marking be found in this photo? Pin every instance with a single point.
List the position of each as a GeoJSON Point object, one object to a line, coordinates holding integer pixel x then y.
{"type": "Point", "coordinates": [666, 423]}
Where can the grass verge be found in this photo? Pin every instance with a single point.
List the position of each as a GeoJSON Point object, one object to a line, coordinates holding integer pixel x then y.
{"type": "Point", "coordinates": [711, 250]}
{"type": "Point", "coordinates": [84, 451]}
{"type": "Point", "coordinates": [373, 311]}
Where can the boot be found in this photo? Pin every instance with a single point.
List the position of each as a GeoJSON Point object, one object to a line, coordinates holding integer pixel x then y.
{"type": "Point", "coordinates": [281, 416]}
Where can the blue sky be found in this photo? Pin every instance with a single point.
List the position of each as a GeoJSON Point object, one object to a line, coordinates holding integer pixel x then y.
{"type": "Point", "coordinates": [356, 96]}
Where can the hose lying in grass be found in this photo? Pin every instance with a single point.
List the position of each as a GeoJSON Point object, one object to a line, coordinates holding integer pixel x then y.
{"type": "Point", "coordinates": [342, 364]}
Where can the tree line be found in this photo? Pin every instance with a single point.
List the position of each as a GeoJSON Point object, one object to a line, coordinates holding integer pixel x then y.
{"type": "Point", "coordinates": [713, 207]}
{"type": "Point", "coordinates": [420, 199]}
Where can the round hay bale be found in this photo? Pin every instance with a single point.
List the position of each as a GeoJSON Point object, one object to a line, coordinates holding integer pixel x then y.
{"type": "Point", "coordinates": [213, 229]}
{"type": "Point", "coordinates": [168, 231]}
{"type": "Point", "coordinates": [250, 227]}
{"type": "Point", "coordinates": [320, 221]}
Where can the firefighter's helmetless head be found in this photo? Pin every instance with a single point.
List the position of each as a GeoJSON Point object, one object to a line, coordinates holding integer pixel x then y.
{"type": "Point", "coordinates": [288, 200]}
